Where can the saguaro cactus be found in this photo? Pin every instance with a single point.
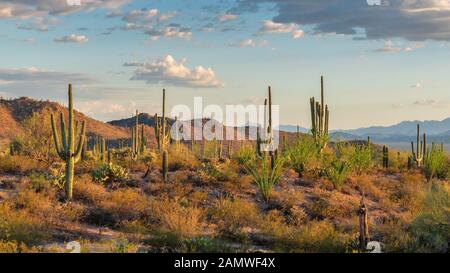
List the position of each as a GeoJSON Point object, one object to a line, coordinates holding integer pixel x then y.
{"type": "Point", "coordinates": [143, 140]}
{"type": "Point", "coordinates": [385, 157]}
{"type": "Point", "coordinates": [319, 120]}
{"type": "Point", "coordinates": [65, 144]}
{"type": "Point", "coordinates": [135, 147]}
{"type": "Point", "coordinates": [161, 131]}
{"type": "Point", "coordinates": [165, 165]}
{"type": "Point", "coordinates": [421, 148]}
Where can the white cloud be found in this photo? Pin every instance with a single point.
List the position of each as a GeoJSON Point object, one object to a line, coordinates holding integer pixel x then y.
{"type": "Point", "coordinates": [146, 16]}
{"type": "Point", "coordinates": [270, 27]}
{"type": "Point", "coordinates": [248, 43]}
{"type": "Point", "coordinates": [167, 70]}
{"type": "Point", "coordinates": [226, 17]}
{"type": "Point", "coordinates": [142, 14]}
{"type": "Point", "coordinates": [427, 102]}
{"type": "Point", "coordinates": [390, 47]}
{"type": "Point", "coordinates": [79, 39]}
{"type": "Point", "coordinates": [169, 32]}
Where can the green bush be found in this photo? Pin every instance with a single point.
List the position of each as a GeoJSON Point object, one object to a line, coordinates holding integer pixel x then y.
{"type": "Point", "coordinates": [435, 163]}
{"type": "Point", "coordinates": [361, 158]}
{"type": "Point", "coordinates": [432, 226]}
{"type": "Point", "coordinates": [338, 173]}
{"type": "Point", "coordinates": [108, 173]}
{"type": "Point", "coordinates": [245, 155]}
{"type": "Point", "coordinates": [301, 153]}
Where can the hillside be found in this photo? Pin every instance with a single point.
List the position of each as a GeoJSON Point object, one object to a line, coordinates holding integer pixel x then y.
{"type": "Point", "coordinates": [13, 112]}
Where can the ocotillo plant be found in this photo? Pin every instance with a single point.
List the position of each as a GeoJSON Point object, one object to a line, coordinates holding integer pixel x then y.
{"type": "Point", "coordinates": [65, 144]}
{"type": "Point", "coordinates": [421, 148]}
{"type": "Point", "coordinates": [385, 157]}
{"type": "Point", "coordinates": [319, 120]}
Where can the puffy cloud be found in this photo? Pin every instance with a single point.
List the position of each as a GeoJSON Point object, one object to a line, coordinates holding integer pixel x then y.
{"type": "Point", "coordinates": [415, 20]}
{"type": "Point", "coordinates": [272, 27]}
{"type": "Point", "coordinates": [248, 43]}
{"type": "Point", "coordinates": [140, 15]}
{"type": "Point", "coordinates": [79, 39]}
{"type": "Point", "coordinates": [167, 70]}
{"type": "Point", "coordinates": [169, 32]}
{"type": "Point", "coordinates": [226, 17]}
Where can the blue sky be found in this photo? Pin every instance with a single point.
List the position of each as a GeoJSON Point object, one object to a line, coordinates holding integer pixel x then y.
{"type": "Point", "coordinates": [382, 64]}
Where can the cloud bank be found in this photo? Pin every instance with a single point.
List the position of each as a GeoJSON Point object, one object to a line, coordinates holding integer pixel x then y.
{"type": "Point", "coordinates": [415, 20]}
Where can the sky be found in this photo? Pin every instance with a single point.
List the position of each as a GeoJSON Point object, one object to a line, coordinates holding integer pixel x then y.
{"type": "Point", "coordinates": [384, 61]}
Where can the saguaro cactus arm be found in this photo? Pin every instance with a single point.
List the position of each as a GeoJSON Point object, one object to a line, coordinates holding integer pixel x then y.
{"type": "Point", "coordinates": [59, 148]}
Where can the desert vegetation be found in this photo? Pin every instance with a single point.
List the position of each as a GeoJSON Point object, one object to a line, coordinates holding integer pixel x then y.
{"type": "Point", "coordinates": [63, 182]}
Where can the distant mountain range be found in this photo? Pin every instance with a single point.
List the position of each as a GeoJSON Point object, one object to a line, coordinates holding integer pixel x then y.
{"type": "Point", "coordinates": [438, 131]}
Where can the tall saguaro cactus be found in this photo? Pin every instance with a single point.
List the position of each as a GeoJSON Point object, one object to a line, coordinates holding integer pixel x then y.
{"type": "Point", "coordinates": [161, 131]}
{"type": "Point", "coordinates": [135, 147]}
{"type": "Point", "coordinates": [65, 144]}
{"type": "Point", "coordinates": [319, 119]}
{"type": "Point", "coordinates": [421, 148]}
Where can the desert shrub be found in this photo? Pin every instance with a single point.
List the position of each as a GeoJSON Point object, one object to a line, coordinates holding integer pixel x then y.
{"type": "Point", "coordinates": [361, 159]}
{"type": "Point", "coordinates": [85, 190]}
{"type": "Point", "coordinates": [315, 236]}
{"type": "Point", "coordinates": [123, 246]}
{"type": "Point", "coordinates": [264, 175]}
{"type": "Point", "coordinates": [124, 205]}
{"type": "Point", "coordinates": [238, 185]}
{"type": "Point", "coordinates": [319, 237]}
{"type": "Point", "coordinates": [301, 153]}
{"type": "Point", "coordinates": [220, 171]}
{"type": "Point", "coordinates": [245, 155]}
{"type": "Point", "coordinates": [36, 139]}
{"type": "Point", "coordinates": [17, 164]}
{"type": "Point", "coordinates": [286, 200]}
{"type": "Point", "coordinates": [233, 217]}
{"type": "Point", "coordinates": [409, 192]}
{"type": "Point", "coordinates": [16, 247]}
{"type": "Point", "coordinates": [432, 226]}
{"type": "Point", "coordinates": [21, 226]}
{"type": "Point", "coordinates": [436, 163]}
{"type": "Point", "coordinates": [180, 158]}
{"type": "Point", "coordinates": [206, 245]}
{"type": "Point", "coordinates": [108, 173]}
{"type": "Point", "coordinates": [169, 216]}
{"type": "Point", "coordinates": [338, 173]}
